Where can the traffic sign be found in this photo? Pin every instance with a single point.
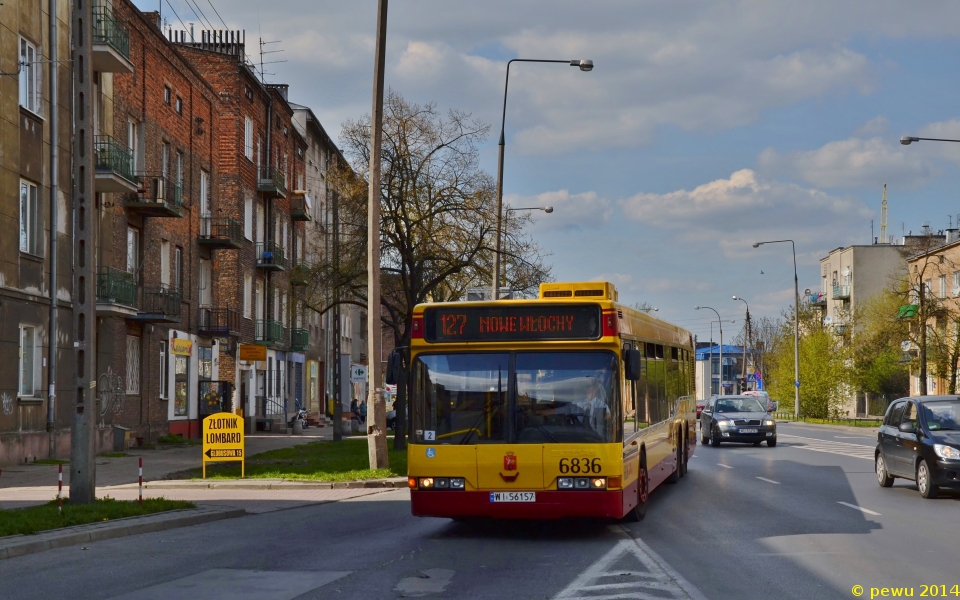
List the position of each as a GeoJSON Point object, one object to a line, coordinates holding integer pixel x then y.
{"type": "Point", "coordinates": [223, 440]}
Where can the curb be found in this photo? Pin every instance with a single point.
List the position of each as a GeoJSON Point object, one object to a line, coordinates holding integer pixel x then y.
{"type": "Point", "coordinates": [869, 431]}
{"type": "Point", "coordinates": [280, 485]}
{"type": "Point", "coordinates": [21, 545]}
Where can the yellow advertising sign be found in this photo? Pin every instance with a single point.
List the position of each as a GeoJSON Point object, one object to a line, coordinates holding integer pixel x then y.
{"type": "Point", "coordinates": [181, 347]}
{"type": "Point", "coordinates": [223, 440]}
{"type": "Point", "coordinates": [252, 352]}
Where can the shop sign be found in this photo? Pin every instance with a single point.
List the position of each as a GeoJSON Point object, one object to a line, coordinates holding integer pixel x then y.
{"type": "Point", "coordinates": [182, 347]}
{"type": "Point", "coordinates": [253, 352]}
{"type": "Point", "coordinates": [223, 440]}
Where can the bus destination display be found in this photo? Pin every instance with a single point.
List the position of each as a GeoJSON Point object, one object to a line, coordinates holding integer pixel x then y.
{"type": "Point", "coordinates": [498, 324]}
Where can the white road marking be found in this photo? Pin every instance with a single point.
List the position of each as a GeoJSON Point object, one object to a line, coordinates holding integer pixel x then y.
{"type": "Point", "coordinates": [694, 455]}
{"type": "Point", "coordinates": [850, 437]}
{"type": "Point", "coordinates": [768, 480]}
{"type": "Point", "coordinates": [860, 508]}
{"type": "Point", "coordinates": [643, 576]}
{"type": "Point", "coordinates": [830, 447]}
{"type": "Point", "coordinates": [724, 466]}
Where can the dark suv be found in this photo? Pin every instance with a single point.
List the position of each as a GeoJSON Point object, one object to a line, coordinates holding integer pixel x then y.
{"type": "Point", "coordinates": [920, 440]}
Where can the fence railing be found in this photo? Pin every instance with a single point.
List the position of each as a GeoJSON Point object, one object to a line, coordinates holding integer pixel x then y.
{"type": "Point", "coordinates": [219, 321]}
{"type": "Point", "coordinates": [162, 300]}
{"type": "Point", "coordinates": [106, 30]}
{"type": "Point", "coordinates": [220, 229]}
{"type": "Point", "coordinates": [110, 156]}
{"type": "Point", "coordinates": [115, 286]}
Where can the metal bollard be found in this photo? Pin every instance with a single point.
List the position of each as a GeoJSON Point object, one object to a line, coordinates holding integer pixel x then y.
{"type": "Point", "coordinates": [60, 489]}
{"type": "Point", "coordinates": [140, 476]}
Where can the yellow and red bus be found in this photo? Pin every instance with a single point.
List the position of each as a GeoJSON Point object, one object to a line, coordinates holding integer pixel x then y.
{"type": "Point", "coordinates": [568, 405]}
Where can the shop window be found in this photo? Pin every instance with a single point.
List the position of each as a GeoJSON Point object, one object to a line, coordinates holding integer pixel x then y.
{"type": "Point", "coordinates": [205, 356]}
{"type": "Point", "coordinates": [181, 372]}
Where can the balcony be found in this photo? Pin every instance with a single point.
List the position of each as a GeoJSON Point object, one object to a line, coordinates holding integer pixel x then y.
{"type": "Point", "coordinates": [841, 292]}
{"type": "Point", "coordinates": [156, 196]}
{"type": "Point", "coordinates": [117, 293]}
{"type": "Point", "coordinates": [299, 339]}
{"type": "Point", "coordinates": [271, 182]}
{"type": "Point", "coordinates": [159, 304]}
{"type": "Point", "coordinates": [113, 166]}
{"type": "Point", "coordinates": [300, 207]}
{"type": "Point", "coordinates": [300, 273]}
{"type": "Point", "coordinates": [220, 232]}
{"type": "Point", "coordinates": [269, 333]}
{"type": "Point", "coordinates": [111, 43]}
{"type": "Point", "coordinates": [819, 300]}
{"type": "Point", "coordinates": [271, 257]}
{"type": "Point", "coordinates": [221, 322]}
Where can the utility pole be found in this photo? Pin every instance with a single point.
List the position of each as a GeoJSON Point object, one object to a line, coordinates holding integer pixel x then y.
{"type": "Point", "coordinates": [83, 474]}
{"type": "Point", "coordinates": [336, 371]}
{"type": "Point", "coordinates": [376, 408]}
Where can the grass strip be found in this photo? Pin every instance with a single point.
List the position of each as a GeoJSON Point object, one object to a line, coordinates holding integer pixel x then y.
{"type": "Point", "coordinates": [317, 461]}
{"type": "Point", "coordinates": [44, 517]}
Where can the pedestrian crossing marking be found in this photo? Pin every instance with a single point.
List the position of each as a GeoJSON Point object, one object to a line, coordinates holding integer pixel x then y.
{"type": "Point", "coordinates": [830, 447]}
{"type": "Point", "coordinates": [629, 570]}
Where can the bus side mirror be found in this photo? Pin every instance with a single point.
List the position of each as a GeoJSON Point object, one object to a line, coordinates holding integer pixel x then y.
{"type": "Point", "coordinates": [394, 368]}
{"type": "Point", "coordinates": [632, 364]}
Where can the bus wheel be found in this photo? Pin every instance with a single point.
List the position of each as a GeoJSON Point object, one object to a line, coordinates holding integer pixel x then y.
{"type": "Point", "coordinates": [686, 458]}
{"type": "Point", "coordinates": [643, 493]}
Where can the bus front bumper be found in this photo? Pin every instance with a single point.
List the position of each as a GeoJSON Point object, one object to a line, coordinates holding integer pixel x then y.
{"type": "Point", "coordinates": [550, 504]}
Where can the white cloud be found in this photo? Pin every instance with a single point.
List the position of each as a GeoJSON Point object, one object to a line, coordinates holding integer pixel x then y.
{"type": "Point", "coordinates": [852, 163]}
{"type": "Point", "coordinates": [876, 126]}
{"type": "Point", "coordinates": [744, 208]}
{"type": "Point", "coordinates": [570, 211]}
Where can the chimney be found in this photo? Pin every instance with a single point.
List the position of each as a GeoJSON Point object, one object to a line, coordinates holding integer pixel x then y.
{"type": "Point", "coordinates": [953, 235]}
{"type": "Point", "coordinates": [154, 17]}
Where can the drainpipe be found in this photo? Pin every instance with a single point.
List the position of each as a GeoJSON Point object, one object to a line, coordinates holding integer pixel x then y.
{"type": "Point", "coordinates": [54, 142]}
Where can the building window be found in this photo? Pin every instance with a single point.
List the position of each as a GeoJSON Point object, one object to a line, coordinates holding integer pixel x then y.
{"type": "Point", "coordinates": [133, 364]}
{"type": "Point", "coordinates": [164, 262]}
{"type": "Point", "coordinates": [204, 193]}
{"type": "Point", "coordinates": [180, 171]}
{"type": "Point", "coordinates": [163, 369]}
{"type": "Point", "coordinates": [28, 362]}
{"type": "Point", "coordinates": [178, 268]}
{"type": "Point", "coordinates": [956, 283]}
{"type": "Point", "coordinates": [179, 105]}
{"type": "Point", "coordinates": [247, 292]}
{"type": "Point", "coordinates": [166, 95]}
{"type": "Point", "coordinates": [205, 364]}
{"type": "Point", "coordinates": [31, 84]}
{"type": "Point", "coordinates": [248, 138]}
{"type": "Point", "coordinates": [133, 250]}
{"type": "Point", "coordinates": [165, 159]}
{"type": "Point", "coordinates": [181, 369]}
{"type": "Point", "coordinates": [248, 218]}
{"type": "Point", "coordinates": [943, 286]}
{"type": "Point", "coordinates": [29, 218]}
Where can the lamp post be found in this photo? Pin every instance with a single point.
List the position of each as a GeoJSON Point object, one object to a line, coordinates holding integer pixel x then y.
{"type": "Point", "coordinates": [746, 341]}
{"type": "Point", "coordinates": [906, 140]}
{"type": "Point", "coordinates": [546, 209]}
{"type": "Point", "coordinates": [585, 65]}
{"type": "Point", "coordinates": [796, 325]}
{"type": "Point", "coordinates": [711, 345]}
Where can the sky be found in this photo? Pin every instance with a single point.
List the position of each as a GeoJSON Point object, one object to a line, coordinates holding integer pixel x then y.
{"type": "Point", "coordinates": [704, 126]}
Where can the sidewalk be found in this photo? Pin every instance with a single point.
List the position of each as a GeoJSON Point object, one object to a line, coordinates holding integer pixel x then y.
{"type": "Point", "coordinates": [866, 431]}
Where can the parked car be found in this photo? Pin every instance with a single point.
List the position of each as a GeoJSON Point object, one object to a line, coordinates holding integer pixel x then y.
{"type": "Point", "coordinates": [737, 419]}
{"type": "Point", "coordinates": [764, 398]}
{"type": "Point", "coordinates": [919, 440]}
{"type": "Point", "coordinates": [700, 405]}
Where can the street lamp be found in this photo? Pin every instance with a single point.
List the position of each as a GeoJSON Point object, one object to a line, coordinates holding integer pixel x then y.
{"type": "Point", "coordinates": [711, 353]}
{"type": "Point", "coordinates": [546, 209]}
{"type": "Point", "coordinates": [796, 325]}
{"type": "Point", "coordinates": [746, 341]}
{"type": "Point", "coordinates": [711, 346]}
{"type": "Point", "coordinates": [906, 140]}
{"type": "Point", "coordinates": [584, 65]}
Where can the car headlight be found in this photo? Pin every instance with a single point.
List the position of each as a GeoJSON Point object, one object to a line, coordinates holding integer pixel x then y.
{"type": "Point", "coordinates": [769, 423]}
{"type": "Point", "coordinates": [948, 452]}
{"type": "Point", "coordinates": [724, 422]}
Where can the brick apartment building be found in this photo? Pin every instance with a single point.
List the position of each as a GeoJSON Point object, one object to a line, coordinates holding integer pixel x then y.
{"type": "Point", "coordinates": [27, 115]}
{"type": "Point", "coordinates": [202, 201]}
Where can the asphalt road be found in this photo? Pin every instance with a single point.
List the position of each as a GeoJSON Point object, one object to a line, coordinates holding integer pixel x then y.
{"type": "Point", "coordinates": [803, 520]}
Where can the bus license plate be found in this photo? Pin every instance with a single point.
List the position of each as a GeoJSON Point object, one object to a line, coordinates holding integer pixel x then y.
{"type": "Point", "coordinates": [748, 431]}
{"type": "Point", "coordinates": [513, 496]}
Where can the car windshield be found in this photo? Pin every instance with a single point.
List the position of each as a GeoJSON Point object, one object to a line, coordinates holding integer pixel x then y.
{"type": "Point", "coordinates": [735, 405]}
{"type": "Point", "coordinates": [942, 415]}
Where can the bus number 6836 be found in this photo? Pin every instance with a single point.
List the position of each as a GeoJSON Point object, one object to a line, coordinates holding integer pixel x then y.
{"type": "Point", "coordinates": [580, 465]}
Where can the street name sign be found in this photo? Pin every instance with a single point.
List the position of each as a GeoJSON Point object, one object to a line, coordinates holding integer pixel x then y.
{"type": "Point", "coordinates": [223, 440]}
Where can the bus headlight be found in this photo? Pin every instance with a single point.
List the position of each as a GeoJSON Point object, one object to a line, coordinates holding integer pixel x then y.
{"type": "Point", "coordinates": [457, 483]}
{"type": "Point", "coordinates": [441, 483]}
{"type": "Point", "coordinates": [565, 483]}
{"type": "Point", "coordinates": [581, 483]}
{"type": "Point", "coordinates": [598, 483]}
{"type": "Point", "coordinates": [426, 483]}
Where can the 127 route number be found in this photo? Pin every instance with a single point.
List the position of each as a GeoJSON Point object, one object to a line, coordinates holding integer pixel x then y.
{"type": "Point", "coordinates": [580, 465]}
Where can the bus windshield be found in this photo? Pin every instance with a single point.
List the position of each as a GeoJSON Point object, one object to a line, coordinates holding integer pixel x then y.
{"type": "Point", "coordinates": [567, 397]}
{"type": "Point", "coordinates": [555, 397]}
